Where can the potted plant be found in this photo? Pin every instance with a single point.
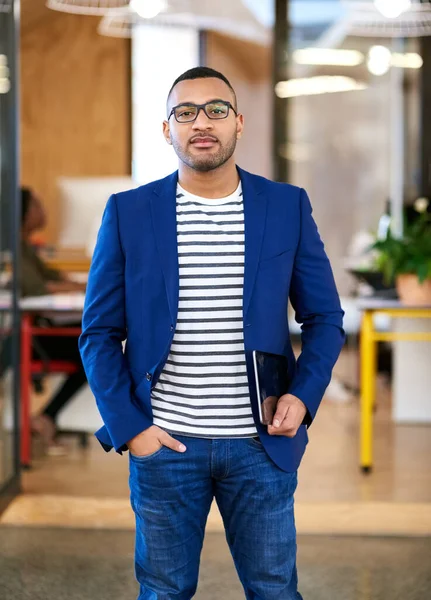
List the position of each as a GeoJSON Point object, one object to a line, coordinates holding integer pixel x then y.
{"type": "Point", "coordinates": [407, 260]}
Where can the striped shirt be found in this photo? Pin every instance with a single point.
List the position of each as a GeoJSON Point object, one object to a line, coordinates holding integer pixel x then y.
{"type": "Point", "coordinates": [203, 388]}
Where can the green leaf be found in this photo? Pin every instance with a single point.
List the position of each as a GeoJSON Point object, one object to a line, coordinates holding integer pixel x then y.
{"type": "Point", "coordinates": [410, 254]}
{"type": "Point", "coordinates": [422, 271]}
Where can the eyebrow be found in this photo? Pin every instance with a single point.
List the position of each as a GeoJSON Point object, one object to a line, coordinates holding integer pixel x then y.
{"type": "Point", "coordinates": [207, 102]}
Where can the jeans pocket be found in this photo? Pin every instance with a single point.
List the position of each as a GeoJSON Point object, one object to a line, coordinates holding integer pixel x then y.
{"type": "Point", "coordinates": [145, 457]}
{"type": "Point", "coordinates": [255, 442]}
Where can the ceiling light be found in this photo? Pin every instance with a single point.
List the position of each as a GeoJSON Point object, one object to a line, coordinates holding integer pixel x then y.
{"type": "Point", "coordinates": [311, 86]}
{"type": "Point", "coordinates": [4, 75]}
{"type": "Point", "coordinates": [4, 86]}
{"type": "Point", "coordinates": [391, 9]}
{"type": "Point", "coordinates": [86, 7]}
{"type": "Point", "coordinates": [410, 60]}
{"type": "Point", "coordinates": [328, 56]}
{"type": "Point", "coordinates": [148, 9]}
{"type": "Point", "coordinates": [379, 60]}
{"type": "Point", "coordinates": [363, 19]}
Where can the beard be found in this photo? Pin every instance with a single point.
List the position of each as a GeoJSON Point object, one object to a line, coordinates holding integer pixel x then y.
{"type": "Point", "coordinates": [206, 161]}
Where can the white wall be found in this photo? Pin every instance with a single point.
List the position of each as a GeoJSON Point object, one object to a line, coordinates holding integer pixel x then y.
{"type": "Point", "coordinates": [159, 55]}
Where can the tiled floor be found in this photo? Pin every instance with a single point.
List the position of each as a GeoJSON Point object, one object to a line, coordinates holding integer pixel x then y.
{"type": "Point", "coordinates": [328, 518]}
{"type": "Point", "coordinates": [54, 564]}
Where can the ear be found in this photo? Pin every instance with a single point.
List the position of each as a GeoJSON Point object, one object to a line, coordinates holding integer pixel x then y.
{"type": "Point", "coordinates": [166, 132]}
{"type": "Point", "coordinates": [239, 126]}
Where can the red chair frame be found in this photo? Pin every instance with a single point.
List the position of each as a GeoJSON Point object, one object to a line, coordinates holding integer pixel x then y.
{"type": "Point", "coordinates": [30, 367]}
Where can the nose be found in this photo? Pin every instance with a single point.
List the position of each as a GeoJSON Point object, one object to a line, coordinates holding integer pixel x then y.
{"type": "Point", "coordinates": [202, 121]}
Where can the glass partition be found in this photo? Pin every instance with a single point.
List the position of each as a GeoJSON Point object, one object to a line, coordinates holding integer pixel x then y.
{"type": "Point", "coordinates": [9, 201]}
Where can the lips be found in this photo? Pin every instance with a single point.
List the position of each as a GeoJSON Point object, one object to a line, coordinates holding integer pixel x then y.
{"type": "Point", "coordinates": [203, 142]}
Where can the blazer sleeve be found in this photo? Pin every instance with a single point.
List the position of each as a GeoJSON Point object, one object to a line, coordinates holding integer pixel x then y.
{"type": "Point", "coordinates": [104, 330]}
{"type": "Point", "coordinates": [316, 303]}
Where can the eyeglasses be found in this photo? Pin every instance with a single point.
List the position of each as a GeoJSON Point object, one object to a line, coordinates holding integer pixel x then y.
{"type": "Point", "coordinates": [186, 113]}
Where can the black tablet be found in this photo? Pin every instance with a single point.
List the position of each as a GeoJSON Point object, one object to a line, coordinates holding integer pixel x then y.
{"type": "Point", "coordinates": [272, 381]}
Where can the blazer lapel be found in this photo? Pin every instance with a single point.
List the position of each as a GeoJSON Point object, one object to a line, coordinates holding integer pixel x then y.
{"type": "Point", "coordinates": [164, 215]}
{"type": "Point", "coordinates": [255, 203]}
{"type": "Point", "coordinates": [163, 211]}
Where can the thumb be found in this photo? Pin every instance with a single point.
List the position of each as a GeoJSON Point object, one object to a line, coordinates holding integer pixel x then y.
{"type": "Point", "coordinates": [170, 442]}
{"type": "Point", "coordinates": [280, 413]}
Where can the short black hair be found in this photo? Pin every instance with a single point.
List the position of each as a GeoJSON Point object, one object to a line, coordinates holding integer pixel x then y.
{"type": "Point", "coordinates": [202, 73]}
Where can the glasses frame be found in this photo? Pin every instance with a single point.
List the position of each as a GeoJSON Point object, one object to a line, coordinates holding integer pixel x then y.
{"type": "Point", "coordinates": [203, 107]}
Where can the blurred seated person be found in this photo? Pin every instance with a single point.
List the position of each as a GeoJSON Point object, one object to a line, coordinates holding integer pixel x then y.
{"type": "Point", "coordinates": [36, 279]}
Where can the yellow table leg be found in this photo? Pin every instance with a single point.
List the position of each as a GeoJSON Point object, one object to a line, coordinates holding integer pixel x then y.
{"type": "Point", "coordinates": [368, 383]}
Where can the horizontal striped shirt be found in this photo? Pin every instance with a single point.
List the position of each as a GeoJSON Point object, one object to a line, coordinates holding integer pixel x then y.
{"type": "Point", "coordinates": [203, 388]}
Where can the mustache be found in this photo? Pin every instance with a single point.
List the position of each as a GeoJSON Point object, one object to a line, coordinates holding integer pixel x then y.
{"type": "Point", "coordinates": [202, 136]}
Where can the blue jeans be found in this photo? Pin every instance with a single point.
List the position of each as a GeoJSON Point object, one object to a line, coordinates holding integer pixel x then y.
{"type": "Point", "coordinates": [171, 495]}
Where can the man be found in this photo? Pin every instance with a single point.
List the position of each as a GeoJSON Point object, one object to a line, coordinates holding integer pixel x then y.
{"type": "Point", "coordinates": [195, 270]}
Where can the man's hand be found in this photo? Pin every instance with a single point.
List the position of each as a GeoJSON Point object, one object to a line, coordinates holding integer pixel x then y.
{"type": "Point", "coordinates": [150, 440]}
{"type": "Point", "coordinates": [288, 417]}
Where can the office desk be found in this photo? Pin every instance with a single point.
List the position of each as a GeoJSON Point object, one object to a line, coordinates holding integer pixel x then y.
{"type": "Point", "coordinates": [369, 339]}
{"type": "Point", "coordinates": [67, 259]}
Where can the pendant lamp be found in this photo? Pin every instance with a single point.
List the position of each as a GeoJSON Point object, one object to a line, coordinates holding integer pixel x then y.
{"type": "Point", "coordinates": [87, 7]}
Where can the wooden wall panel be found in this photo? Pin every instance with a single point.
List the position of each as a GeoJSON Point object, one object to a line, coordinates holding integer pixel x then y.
{"type": "Point", "coordinates": [75, 102]}
{"type": "Point", "coordinates": [248, 67]}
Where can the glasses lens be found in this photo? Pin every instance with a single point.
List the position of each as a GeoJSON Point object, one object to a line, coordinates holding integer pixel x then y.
{"type": "Point", "coordinates": [183, 114]}
{"type": "Point", "coordinates": [217, 110]}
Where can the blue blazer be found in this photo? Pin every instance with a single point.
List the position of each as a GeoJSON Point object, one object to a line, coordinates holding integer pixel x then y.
{"type": "Point", "coordinates": [133, 290]}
